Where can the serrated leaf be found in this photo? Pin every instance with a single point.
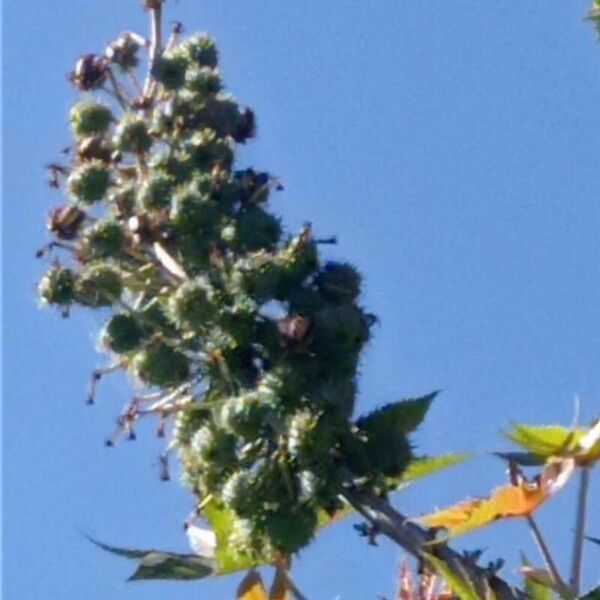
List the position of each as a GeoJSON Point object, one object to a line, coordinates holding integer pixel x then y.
{"type": "Point", "coordinates": [126, 552]}
{"type": "Point", "coordinates": [461, 586]}
{"type": "Point", "coordinates": [168, 565]}
{"type": "Point", "coordinates": [252, 588]}
{"type": "Point", "coordinates": [403, 416]}
{"type": "Point", "coordinates": [155, 564]}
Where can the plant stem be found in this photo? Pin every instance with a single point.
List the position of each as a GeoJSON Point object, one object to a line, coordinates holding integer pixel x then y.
{"type": "Point", "coordinates": [544, 550]}
{"type": "Point", "coordinates": [579, 537]}
{"type": "Point", "coordinates": [155, 8]}
{"type": "Point", "coordinates": [418, 542]}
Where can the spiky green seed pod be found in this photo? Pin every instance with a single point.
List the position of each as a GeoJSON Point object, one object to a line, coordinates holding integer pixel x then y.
{"type": "Point", "coordinates": [193, 304]}
{"type": "Point", "coordinates": [339, 282]}
{"type": "Point", "coordinates": [238, 493]}
{"type": "Point", "coordinates": [161, 365]}
{"type": "Point", "coordinates": [98, 285]}
{"type": "Point", "coordinates": [309, 438]}
{"type": "Point", "coordinates": [89, 182]}
{"type": "Point", "coordinates": [122, 201]}
{"type": "Point", "coordinates": [343, 327]}
{"type": "Point", "coordinates": [57, 286]}
{"type": "Point", "coordinates": [104, 239]}
{"type": "Point", "coordinates": [246, 415]}
{"type": "Point", "coordinates": [131, 135]}
{"type": "Point", "coordinates": [204, 81]}
{"type": "Point", "coordinates": [90, 118]}
{"type": "Point", "coordinates": [205, 149]}
{"type": "Point", "coordinates": [122, 334]}
{"type": "Point", "coordinates": [256, 229]}
{"type": "Point", "coordinates": [215, 446]}
{"type": "Point", "coordinates": [201, 50]}
{"type": "Point", "coordinates": [169, 70]}
{"type": "Point", "coordinates": [188, 421]}
{"type": "Point", "coordinates": [194, 214]}
{"type": "Point", "coordinates": [156, 191]}
{"type": "Point", "coordinates": [291, 528]}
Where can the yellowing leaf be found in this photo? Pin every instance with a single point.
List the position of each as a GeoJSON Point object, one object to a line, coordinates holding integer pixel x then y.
{"type": "Point", "coordinates": [252, 588]}
{"type": "Point", "coordinates": [513, 500]}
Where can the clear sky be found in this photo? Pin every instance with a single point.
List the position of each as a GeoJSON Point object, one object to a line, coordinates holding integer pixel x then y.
{"type": "Point", "coordinates": [453, 148]}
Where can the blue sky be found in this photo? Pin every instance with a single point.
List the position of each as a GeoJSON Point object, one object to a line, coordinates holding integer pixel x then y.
{"type": "Point", "coordinates": [452, 148]}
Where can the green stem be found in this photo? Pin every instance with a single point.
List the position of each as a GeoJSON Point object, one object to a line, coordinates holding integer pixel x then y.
{"type": "Point", "coordinates": [544, 551]}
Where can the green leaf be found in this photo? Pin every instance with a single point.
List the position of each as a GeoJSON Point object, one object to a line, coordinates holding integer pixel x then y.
{"type": "Point", "coordinates": [461, 586]}
{"type": "Point", "coordinates": [168, 565]}
{"type": "Point", "coordinates": [544, 440]}
{"type": "Point", "coordinates": [591, 595]}
{"type": "Point", "coordinates": [155, 564]}
{"type": "Point", "coordinates": [534, 589]}
{"type": "Point", "coordinates": [126, 552]}
{"type": "Point", "coordinates": [424, 466]}
{"type": "Point", "coordinates": [403, 416]}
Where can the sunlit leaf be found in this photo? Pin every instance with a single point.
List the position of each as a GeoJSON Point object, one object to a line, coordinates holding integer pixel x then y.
{"type": "Point", "coordinates": [221, 522]}
{"type": "Point", "coordinates": [252, 588]}
{"type": "Point", "coordinates": [461, 586]}
{"type": "Point", "coordinates": [425, 466]}
{"type": "Point", "coordinates": [544, 441]}
{"type": "Point", "coordinates": [513, 500]}
{"type": "Point", "coordinates": [534, 589]}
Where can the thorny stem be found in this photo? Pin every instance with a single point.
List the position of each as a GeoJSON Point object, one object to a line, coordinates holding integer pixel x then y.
{"type": "Point", "coordinates": [418, 542]}
{"type": "Point", "coordinates": [155, 8]}
{"type": "Point", "coordinates": [579, 536]}
{"type": "Point", "coordinates": [544, 551]}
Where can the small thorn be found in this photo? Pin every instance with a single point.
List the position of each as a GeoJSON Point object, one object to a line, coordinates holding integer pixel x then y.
{"type": "Point", "coordinates": [109, 443]}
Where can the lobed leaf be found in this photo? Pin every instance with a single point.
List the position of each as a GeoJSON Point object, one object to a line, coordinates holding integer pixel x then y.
{"type": "Point", "coordinates": [403, 416]}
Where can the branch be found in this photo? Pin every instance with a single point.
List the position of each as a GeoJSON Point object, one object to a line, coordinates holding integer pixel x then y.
{"type": "Point", "coordinates": [155, 8]}
{"type": "Point", "coordinates": [579, 530]}
{"type": "Point", "coordinates": [417, 542]}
